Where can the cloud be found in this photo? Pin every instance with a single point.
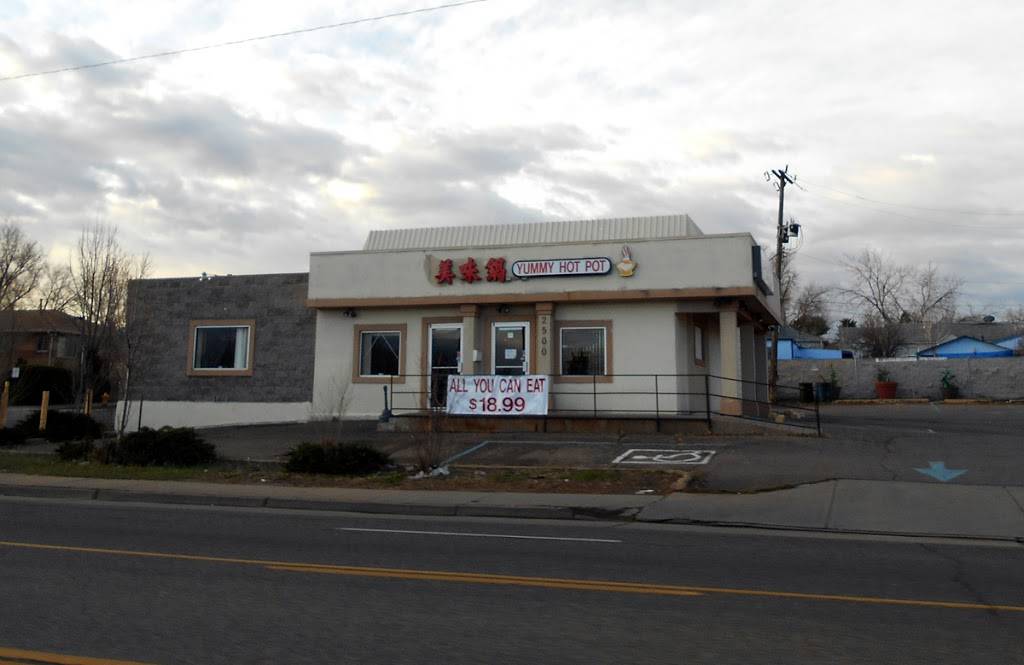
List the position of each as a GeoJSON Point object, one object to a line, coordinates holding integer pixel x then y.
{"type": "Point", "coordinates": [244, 159]}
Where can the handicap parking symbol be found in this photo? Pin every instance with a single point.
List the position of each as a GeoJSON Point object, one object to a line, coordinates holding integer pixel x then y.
{"type": "Point", "coordinates": [651, 456]}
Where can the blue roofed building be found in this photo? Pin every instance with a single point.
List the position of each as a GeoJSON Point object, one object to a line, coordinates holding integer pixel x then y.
{"type": "Point", "coordinates": [797, 345]}
{"type": "Point", "coordinates": [1015, 343]}
{"type": "Point", "coordinates": [965, 347]}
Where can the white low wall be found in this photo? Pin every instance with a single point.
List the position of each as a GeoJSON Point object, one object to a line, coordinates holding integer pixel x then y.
{"type": "Point", "coordinates": [213, 414]}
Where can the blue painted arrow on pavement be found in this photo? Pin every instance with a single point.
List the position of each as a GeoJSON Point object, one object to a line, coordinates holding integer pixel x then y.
{"type": "Point", "coordinates": [938, 471]}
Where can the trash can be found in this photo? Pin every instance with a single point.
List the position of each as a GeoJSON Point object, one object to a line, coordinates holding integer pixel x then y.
{"type": "Point", "coordinates": [806, 392]}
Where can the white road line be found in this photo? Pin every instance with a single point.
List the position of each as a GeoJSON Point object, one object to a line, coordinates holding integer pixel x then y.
{"type": "Point", "coordinates": [479, 535]}
{"type": "Point", "coordinates": [555, 443]}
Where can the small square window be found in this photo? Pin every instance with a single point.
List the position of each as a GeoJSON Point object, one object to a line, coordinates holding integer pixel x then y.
{"type": "Point", "coordinates": [380, 352]}
{"type": "Point", "coordinates": [583, 351]}
{"type": "Point", "coordinates": [221, 348]}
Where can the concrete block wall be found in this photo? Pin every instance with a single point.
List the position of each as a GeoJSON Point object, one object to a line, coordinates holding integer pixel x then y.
{"type": "Point", "coordinates": [993, 378]}
{"type": "Point", "coordinates": [284, 337]}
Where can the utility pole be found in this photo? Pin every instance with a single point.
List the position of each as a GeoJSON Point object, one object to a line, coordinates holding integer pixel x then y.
{"type": "Point", "coordinates": [781, 238]}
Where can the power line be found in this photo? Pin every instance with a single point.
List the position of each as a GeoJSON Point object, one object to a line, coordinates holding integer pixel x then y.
{"type": "Point", "coordinates": [976, 282]}
{"type": "Point", "coordinates": [1003, 213]}
{"type": "Point", "coordinates": [905, 216]}
{"type": "Point", "coordinates": [246, 40]}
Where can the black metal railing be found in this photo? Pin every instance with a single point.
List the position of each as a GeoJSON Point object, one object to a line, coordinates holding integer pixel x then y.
{"type": "Point", "coordinates": [660, 396]}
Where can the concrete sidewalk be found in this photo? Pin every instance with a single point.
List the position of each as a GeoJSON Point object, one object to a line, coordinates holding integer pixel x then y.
{"type": "Point", "coordinates": [846, 506]}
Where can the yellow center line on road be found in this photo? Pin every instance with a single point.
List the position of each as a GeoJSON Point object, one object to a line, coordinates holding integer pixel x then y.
{"type": "Point", "coordinates": [506, 580]}
{"type": "Point", "coordinates": [26, 657]}
{"type": "Point", "coordinates": [513, 580]}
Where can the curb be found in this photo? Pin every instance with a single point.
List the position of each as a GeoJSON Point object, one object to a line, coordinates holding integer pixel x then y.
{"type": "Point", "coordinates": [588, 513]}
{"type": "Point", "coordinates": [858, 402]}
{"type": "Point", "coordinates": [849, 532]}
{"type": "Point", "coordinates": [382, 508]}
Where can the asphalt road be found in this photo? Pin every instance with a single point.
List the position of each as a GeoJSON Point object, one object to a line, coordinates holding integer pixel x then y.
{"type": "Point", "coordinates": [176, 584]}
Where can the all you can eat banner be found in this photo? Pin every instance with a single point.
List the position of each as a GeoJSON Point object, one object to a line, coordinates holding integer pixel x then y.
{"type": "Point", "coordinates": [525, 395]}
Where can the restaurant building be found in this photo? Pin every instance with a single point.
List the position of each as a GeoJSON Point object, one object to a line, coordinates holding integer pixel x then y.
{"type": "Point", "coordinates": [623, 316]}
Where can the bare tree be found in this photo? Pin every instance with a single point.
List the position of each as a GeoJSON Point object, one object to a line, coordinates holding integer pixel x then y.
{"type": "Point", "coordinates": [880, 339]}
{"type": "Point", "coordinates": [932, 296]}
{"type": "Point", "coordinates": [1015, 315]}
{"type": "Point", "coordinates": [810, 310]}
{"type": "Point", "coordinates": [790, 281]}
{"type": "Point", "coordinates": [21, 265]}
{"type": "Point", "coordinates": [878, 287]}
{"type": "Point", "coordinates": [100, 272]}
{"type": "Point", "coordinates": [130, 365]}
{"type": "Point", "coordinates": [888, 294]}
{"type": "Point", "coordinates": [54, 291]}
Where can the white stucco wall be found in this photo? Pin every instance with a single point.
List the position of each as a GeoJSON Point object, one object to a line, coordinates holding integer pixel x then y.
{"type": "Point", "coordinates": [643, 342]}
{"type": "Point", "coordinates": [721, 261]}
{"type": "Point", "coordinates": [334, 392]}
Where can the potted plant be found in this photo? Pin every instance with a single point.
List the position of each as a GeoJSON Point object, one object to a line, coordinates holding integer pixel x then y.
{"type": "Point", "coordinates": [949, 388]}
{"type": "Point", "coordinates": [833, 380]}
{"type": "Point", "coordinates": [828, 390]}
{"type": "Point", "coordinates": [884, 388]}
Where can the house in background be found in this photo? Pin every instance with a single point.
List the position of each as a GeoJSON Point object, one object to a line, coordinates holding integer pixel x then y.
{"type": "Point", "coordinates": [918, 337]}
{"type": "Point", "coordinates": [1014, 343]}
{"type": "Point", "coordinates": [797, 345]}
{"type": "Point", "coordinates": [965, 347]}
{"type": "Point", "coordinates": [39, 337]}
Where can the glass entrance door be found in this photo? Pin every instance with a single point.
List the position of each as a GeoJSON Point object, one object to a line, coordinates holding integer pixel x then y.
{"type": "Point", "coordinates": [445, 359]}
{"type": "Point", "coordinates": [511, 350]}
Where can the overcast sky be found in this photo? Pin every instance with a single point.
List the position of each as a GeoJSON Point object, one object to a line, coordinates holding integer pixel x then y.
{"type": "Point", "coordinates": [245, 159]}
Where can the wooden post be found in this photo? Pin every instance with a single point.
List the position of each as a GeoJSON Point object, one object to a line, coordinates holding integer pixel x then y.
{"type": "Point", "coordinates": [43, 408]}
{"type": "Point", "coordinates": [87, 408]}
{"type": "Point", "coordinates": [3, 403]}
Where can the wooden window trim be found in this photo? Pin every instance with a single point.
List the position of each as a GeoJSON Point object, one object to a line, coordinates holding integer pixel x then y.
{"type": "Point", "coordinates": [357, 333]}
{"type": "Point", "coordinates": [194, 325]}
{"type": "Point", "coordinates": [609, 372]}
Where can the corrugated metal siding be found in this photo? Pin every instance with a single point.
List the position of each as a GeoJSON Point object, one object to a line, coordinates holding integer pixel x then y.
{"type": "Point", "coordinates": [585, 230]}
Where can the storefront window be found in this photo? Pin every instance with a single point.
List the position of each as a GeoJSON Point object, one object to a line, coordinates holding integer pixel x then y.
{"type": "Point", "coordinates": [583, 351]}
{"type": "Point", "coordinates": [221, 347]}
{"type": "Point", "coordinates": [379, 353]}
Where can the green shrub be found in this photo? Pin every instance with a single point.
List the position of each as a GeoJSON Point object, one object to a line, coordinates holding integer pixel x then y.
{"type": "Point", "coordinates": [11, 436]}
{"type": "Point", "coordinates": [167, 446]}
{"type": "Point", "coordinates": [76, 450]}
{"type": "Point", "coordinates": [339, 459]}
{"type": "Point", "coordinates": [61, 426]}
{"type": "Point", "coordinates": [28, 389]}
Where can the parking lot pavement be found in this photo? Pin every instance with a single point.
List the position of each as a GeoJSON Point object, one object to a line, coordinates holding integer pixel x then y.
{"type": "Point", "coordinates": [862, 442]}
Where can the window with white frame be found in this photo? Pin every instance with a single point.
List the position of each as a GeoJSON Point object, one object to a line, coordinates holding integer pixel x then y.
{"type": "Point", "coordinates": [583, 351]}
{"type": "Point", "coordinates": [380, 352]}
{"type": "Point", "coordinates": [221, 347]}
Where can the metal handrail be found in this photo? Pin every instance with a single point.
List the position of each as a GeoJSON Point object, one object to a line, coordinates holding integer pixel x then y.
{"type": "Point", "coordinates": [594, 394]}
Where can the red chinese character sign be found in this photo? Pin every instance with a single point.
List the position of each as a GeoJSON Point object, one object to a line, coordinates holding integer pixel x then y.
{"type": "Point", "coordinates": [496, 270]}
{"type": "Point", "coordinates": [444, 273]}
{"type": "Point", "coordinates": [470, 273]}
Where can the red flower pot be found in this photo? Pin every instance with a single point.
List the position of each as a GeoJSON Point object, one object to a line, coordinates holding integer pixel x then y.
{"type": "Point", "coordinates": [885, 389]}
